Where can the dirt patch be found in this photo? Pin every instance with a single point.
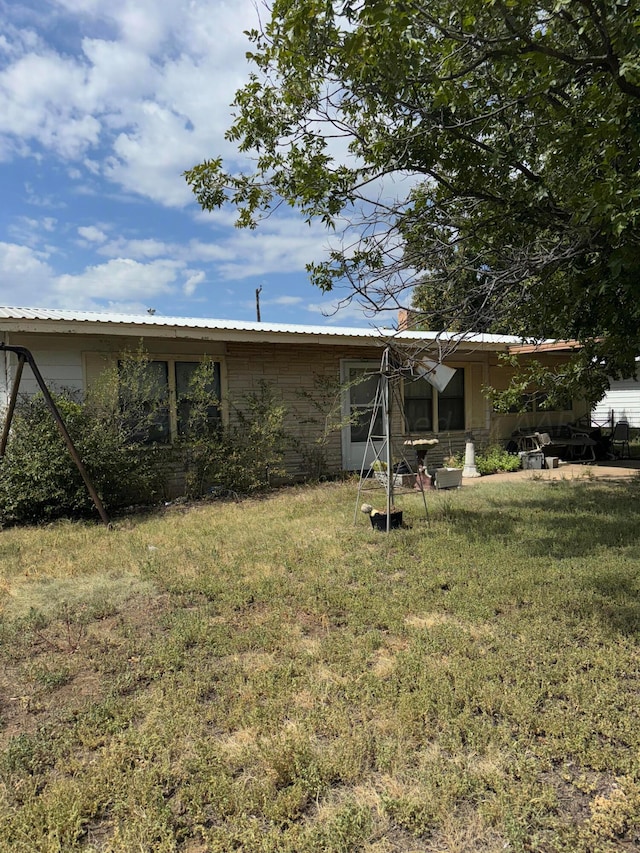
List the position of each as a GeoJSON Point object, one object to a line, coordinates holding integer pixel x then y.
{"type": "Point", "coordinates": [60, 668]}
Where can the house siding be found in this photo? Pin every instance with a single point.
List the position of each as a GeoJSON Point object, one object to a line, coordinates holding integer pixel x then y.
{"type": "Point", "coordinates": [620, 403]}
{"type": "Point", "coordinates": [60, 366]}
{"type": "Point", "coordinates": [297, 372]}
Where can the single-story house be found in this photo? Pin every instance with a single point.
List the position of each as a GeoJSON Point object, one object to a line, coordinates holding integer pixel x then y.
{"type": "Point", "coordinates": [71, 348]}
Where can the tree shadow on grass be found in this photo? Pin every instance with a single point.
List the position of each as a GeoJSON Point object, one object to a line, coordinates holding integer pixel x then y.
{"type": "Point", "coordinates": [565, 522]}
{"type": "Point", "coordinates": [618, 600]}
{"type": "Point", "coordinates": [559, 520]}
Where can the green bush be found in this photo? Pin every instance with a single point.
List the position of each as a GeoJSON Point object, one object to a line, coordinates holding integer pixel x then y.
{"type": "Point", "coordinates": [110, 429]}
{"type": "Point", "coordinates": [490, 460]}
{"type": "Point", "coordinates": [493, 459]}
{"type": "Point", "coordinates": [39, 480]}
{"type": "Point", "coordinates": [242, 457]}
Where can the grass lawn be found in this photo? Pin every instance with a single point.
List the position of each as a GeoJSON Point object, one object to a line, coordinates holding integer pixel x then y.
{"type": "Point", "coordinates": [266, 676]}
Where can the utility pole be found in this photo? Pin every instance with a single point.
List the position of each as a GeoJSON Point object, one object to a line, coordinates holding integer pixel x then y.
{"type": "Point", "coordinates": [258, 289]}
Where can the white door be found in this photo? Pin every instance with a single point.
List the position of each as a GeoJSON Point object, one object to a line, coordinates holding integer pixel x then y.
{"type": "Point", "coordinates": [361, 380]}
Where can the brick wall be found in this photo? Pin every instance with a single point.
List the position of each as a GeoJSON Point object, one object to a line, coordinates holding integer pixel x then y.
{"type": "Point", "coordinates": [303, 376]}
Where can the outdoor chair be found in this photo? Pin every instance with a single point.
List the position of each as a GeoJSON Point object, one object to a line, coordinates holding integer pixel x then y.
{"type": "Point", "coordinates": [543, 439]}
{"type": "Point", "coordinates": [620, 438]}
{"type": "Point", "coordinates": [576, 445]}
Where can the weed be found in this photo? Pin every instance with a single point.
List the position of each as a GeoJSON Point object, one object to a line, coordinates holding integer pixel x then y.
{"type": "Point", "coordinates": [63, 631]}
{"type": "Point", "coordinates": [51, 678]}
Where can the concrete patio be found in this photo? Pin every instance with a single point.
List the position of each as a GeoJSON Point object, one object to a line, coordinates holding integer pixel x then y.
{"type": "Point", "coordinates": [618, 469]}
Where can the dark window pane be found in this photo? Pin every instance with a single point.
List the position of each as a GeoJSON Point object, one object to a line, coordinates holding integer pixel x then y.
{"type": "Point", "coordinates": [451, 404]}
{"type": "Point", "coordinates": [418, 405]}
{"type": "Point", "coordinates": [157, 385]}
{"type": "Point", "coordinates": [144, 401]}
{"type": "Point", "coordinates": [450, 415]}
{"type": "Point", "coordinates": [362, 395]}
{"type": "Point", "coordinates": [455, 386]}
{"type": "Point", "coordinates": [362, 421]}
{"type": "Point", "coordinates": [197, 393]}
{"type": "Point", "coordinates": [363, 391]}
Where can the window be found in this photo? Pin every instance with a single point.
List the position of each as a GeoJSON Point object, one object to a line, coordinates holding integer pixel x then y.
{"type": "Point", "coordinates": [451, 404]}
{"type": "Point", "coordinates": [362, 393]}
{"type": "Point", "coordinates": [190, 393]}
{"type": "Point", "coordinates": [418, 405]}
{"type": "Point", "coordinates": [169, 392]}
{"type": "Point", "coordinates": [424, 406]}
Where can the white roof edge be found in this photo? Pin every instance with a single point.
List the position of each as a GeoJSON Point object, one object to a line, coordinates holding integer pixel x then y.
{"type": "Point", "coordinates": [204, 323]}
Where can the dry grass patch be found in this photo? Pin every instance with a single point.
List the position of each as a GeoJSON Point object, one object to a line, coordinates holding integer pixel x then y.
{"type": "Point", "coordinates": [266, 677]}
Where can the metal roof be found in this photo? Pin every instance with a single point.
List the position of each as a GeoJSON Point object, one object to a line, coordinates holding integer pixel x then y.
{"type": "Point", "coordinates": [67, 315]}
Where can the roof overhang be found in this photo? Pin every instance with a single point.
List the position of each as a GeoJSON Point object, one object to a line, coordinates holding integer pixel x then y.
{"type": "Point", "coordinates": [544, 346]}
{"type": "Point", "coordinates": [68, 322]}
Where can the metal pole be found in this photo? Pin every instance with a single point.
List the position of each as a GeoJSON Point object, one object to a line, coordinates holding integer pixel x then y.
{"type": "Point", "coordinates": [386, 402]}
{"type": "Point", "coordinates": [376, 404]}
{"type": "Point", "coordinates": [25, 354]}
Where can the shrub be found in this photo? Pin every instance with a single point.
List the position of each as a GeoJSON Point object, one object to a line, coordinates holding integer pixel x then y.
{"type": "Point", "coordinates": [490, 460]}
{"type": "Point", "coordinates": [39, 481]}
{"type": "Point", "coordinates": [110, 428]}
{"type": "Point", "coordinates": [495, 458]}
{"type": "Point", "coordinates": [242, 457]}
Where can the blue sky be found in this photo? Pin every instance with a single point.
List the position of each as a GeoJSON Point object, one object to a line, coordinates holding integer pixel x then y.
{"type": "Point", "coordinates": [103, 105]}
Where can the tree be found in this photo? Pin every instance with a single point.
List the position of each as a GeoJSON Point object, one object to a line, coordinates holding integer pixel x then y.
{"type": "Point", "coordinates": [479, 159]}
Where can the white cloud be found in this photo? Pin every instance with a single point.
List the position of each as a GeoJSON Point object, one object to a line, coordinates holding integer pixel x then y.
{"type": "Point", "coordinates": [282, 244]}
{"type": "Point", "coordinates": [24, 275]}
{"type": "Point", "coordinates": [120, 279]}
{"type": "Point", "coordinates": [92, 234]}
{"type": "Point", "coordinates": [137, 249]}
{"type": "Point", "coordinates": [118, 76]}
{"type": "Point", "coordinates": [30, 231]}
{"type": "Point", "coordinates": [338, 311]}
{"type": "Point", "coordinates": [150, 160]}
{"type": "Point", "coordinates": [27, 278]}
{"type": "Point", "coordinates": [195, 278]}
{"type": "Point", "coordinates": [36, 197]}
{"type": "Point", "coordinates": [219, 251]}
{"type": "Point", "coordinates": [149, 86]}
{"type": "Point", "coordinates": [92, 166]}
{"type": "Point", "coordinates": [258, 254]}
{"type": "Point", "coordinates": [284, 300]}
{"type": "Point", "coordinates": [39, 101]}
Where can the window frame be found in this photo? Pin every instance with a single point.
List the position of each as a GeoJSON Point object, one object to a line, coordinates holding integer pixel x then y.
{"type": "Point", "coordinates": [435, 408]}
{"type": "Point", "coordinates": [185, 358]}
